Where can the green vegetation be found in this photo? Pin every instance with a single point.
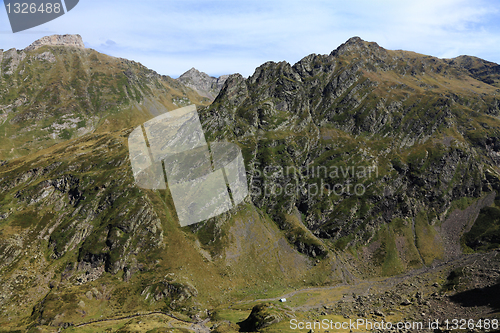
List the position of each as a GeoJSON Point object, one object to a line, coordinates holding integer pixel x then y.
{"type": "Point", "coordinates": [428, 243]}
{"type": "Point", "coordinates": [387, 254]}
{"type": "Point", "coordinates": [461, 204]}
{"type": "Point", "coordinates": [484, 235]}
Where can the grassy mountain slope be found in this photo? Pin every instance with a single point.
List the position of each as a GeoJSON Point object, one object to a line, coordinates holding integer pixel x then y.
{"type": "Point", "coordinates": [55, 93]}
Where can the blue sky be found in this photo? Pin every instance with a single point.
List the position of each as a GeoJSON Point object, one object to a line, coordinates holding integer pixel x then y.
{"type": "Point", "coordinates": [236, 36]}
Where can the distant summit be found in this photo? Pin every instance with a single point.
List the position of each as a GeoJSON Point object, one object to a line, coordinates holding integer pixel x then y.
{"type": "Point", "coordinates": [57, 40]}
{"type": "Point", "coordinates": [204, 84]}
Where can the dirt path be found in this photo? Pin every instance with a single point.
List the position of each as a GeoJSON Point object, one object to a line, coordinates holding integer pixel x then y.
{"type": "Point", "coordinates": [198, 327]}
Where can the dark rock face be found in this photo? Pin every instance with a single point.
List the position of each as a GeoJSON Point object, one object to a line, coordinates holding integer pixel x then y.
{"type": "Point", "coordinates": [204, 84]}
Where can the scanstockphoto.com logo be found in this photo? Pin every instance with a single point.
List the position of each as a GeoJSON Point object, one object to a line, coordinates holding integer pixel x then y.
{"type": "Point", "coordinates": [31, 13]}
{"type": "Point", "coordinates": [205, 180]}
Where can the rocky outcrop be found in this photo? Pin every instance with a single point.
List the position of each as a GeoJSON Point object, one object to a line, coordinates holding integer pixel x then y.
{"type": "Point", "coordinates": [11, 60]}
{"type": "Point", "coordinates": [204, 84]}
{"type": "Point", "coordinates": [80, 204]}
{"type": "Point", "coordinates": [46, 56]}
{"type": "Point", "coordinates": [174, 293]}
{"type": "Point", "coordinates": [57, 40]}
{"type": "Point", "coordinates": [262, 316]}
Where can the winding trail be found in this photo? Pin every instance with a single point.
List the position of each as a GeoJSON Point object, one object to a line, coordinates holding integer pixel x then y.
{"type": "Point", "coordinates": [198, 327]}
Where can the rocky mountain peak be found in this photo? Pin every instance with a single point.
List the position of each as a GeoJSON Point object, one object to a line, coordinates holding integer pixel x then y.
{"type": "Point", "coordinates": [355, 41]}
{"type": "Point", "coordinates": [356, 44]}
{"type": "Point", "coordinates": [204, 84]}
{"type": "Point", "coordinates": [193, 72]}
{"type": "Point", "coordinates": [57, 40]}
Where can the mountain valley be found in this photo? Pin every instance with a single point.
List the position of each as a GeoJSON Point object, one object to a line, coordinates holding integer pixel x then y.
{"type": "Point", "coordinates": [373, 177]}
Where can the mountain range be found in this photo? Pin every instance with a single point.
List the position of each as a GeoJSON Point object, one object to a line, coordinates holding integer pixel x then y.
{"type": "Point", "coordinates": [373, 178]}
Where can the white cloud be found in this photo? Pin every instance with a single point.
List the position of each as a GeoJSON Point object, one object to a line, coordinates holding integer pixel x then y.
{"type": "Point", "coordinates": [225, 36]}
